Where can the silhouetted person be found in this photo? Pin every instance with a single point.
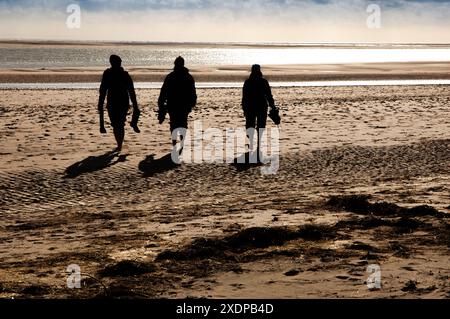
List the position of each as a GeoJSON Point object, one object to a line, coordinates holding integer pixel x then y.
{"type": "Point", "coordinates": [118, 87]}
{"type": "Point", "coordinates": [256, 98]}
{"type": "Point", "coordinates": [178, 97]}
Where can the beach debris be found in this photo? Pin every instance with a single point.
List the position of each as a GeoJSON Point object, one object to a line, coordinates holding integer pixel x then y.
{"type": "Point", "coordinates": [360, 204]}
{"type": "Point", "coordinates": [127, 268]}
{"type": "Point", "coordinates": [36, 290]}
{"type": "Point", "coordinates": [291, 273]}
{"type": "Point", "coordinates": [249, 238]}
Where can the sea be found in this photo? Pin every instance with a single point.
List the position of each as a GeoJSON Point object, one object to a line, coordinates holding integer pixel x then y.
{"type": "Point", "coordinates": [46, 56]}
{"type": "Point", "coordinates": [152, 55]}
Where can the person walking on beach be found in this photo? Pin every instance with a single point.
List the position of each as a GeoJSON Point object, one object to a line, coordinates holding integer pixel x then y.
{"type": "Point", "coordinates": [118, 87]}
{"type": "Point", "coordinates": [256, 97]}
{"type": "Point", "coordinates": [177, 98]}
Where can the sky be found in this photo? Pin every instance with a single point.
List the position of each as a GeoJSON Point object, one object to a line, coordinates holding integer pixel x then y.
{"type": "Point", "coordinates": [279, 21]}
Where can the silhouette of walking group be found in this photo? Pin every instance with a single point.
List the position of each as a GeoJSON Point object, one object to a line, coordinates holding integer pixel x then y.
{"type": "Point", "coordinates": [177, 99]}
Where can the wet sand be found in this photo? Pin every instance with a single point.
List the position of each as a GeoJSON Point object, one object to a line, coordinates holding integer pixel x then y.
{"type": "Point", "coordinates": [364, 179]}
{"type": "Point", "coordinates": [236, 73]}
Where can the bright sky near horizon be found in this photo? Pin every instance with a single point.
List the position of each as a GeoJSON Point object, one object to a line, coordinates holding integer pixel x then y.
{"type": "Point", "coordinates": [417, 21]}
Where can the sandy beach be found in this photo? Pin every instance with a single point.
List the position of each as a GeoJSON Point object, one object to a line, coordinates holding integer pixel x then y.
{"type": "Point", "coordinates": [363, 180]}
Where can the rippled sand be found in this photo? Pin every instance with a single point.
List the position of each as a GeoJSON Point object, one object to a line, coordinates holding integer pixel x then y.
{"type": "Point", "coordinates": [215, 230]}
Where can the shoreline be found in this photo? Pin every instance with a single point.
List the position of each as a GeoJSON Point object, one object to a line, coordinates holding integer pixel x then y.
{"type": "Point", "coordinates": [238, 73]}
{"type": "Point", "coordinates": [228, 85]}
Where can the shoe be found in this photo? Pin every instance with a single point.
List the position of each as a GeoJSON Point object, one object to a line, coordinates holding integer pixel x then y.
{"type": "Point", "coordinates": [136, 129]}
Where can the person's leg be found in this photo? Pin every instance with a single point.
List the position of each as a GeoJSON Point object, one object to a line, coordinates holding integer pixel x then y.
{"type": "Point", "coordinates": [183, 132]}
{"type": "Point", "coordinates": [177, 132]}
{"type": "Point", "coordinates": [118, 118]}
{"type": "Point", "coordinates": [178, 123]}
{"type": "Point", "coordinates": [183, 125]}
{"type": "Point", "coordinates": [119, 134]}
{"type": "Point", "coordinates": [173, 127]}
{"type": "Point", "coordinates": [250, 123]}
{"type": "Point", "coordinates": [173, 135]}
{"type": "Point", "coordinates": [262, 121]}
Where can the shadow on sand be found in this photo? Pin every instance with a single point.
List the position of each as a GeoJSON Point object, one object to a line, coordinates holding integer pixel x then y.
{"type": "Point", "coordinates": [151, 166]}
{"type": "Point", "coordinates": [246, 161]}
{"type": "Point", "coordinates": [94, 163]}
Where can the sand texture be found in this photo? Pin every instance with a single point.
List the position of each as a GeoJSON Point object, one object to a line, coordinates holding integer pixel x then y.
{"type": "Point", "coordinates": [364, 179]}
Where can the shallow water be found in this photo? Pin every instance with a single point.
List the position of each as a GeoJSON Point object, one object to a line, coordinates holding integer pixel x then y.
{"type": "Point", "coordinates": [216, 85]}
{"type": "Point", "coordinates": [48, 56]}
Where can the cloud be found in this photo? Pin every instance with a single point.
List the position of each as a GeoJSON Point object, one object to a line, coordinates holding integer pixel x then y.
{"type": "Point", "coordinates": [232, 20]}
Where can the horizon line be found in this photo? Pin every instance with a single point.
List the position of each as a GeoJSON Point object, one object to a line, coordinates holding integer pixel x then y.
{"type": "Point", "coordinates": [234, 43]}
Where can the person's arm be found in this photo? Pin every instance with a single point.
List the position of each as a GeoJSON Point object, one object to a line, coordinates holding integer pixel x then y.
{"type": "Point", "coordinates": [132, 93]}
{"type": "Point", "coordinates": [194, 93]}
{"type": "Point", "coordinates": [269, 95]}
{"type": "Point", "coordinates": [136, 111]}
{"type": "Point", "coordinates": [245, 98]}
{"type": "Point", "coordinates": [101, 102]}
{"type": "Point", "coordinates": [163, 95]}
{"type": "Point", "coordinates": [162, 110]}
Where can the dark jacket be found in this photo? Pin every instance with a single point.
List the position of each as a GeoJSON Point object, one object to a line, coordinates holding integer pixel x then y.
{"type": "Point", "coordinates": [118, 86]}
{"type": "Point", "coordinates": [256, 95]}
{"type": "Point", "coordinates": [178, 92]}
